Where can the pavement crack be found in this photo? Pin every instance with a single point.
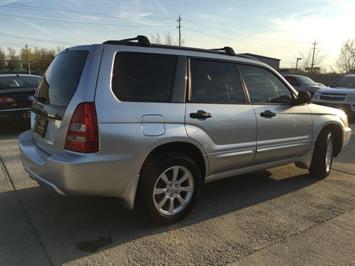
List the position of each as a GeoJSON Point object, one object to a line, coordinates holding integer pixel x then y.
{"type": "Point", "coordinates": [344, 172]}
{"type": "Point", "coordinates": [7, 175]}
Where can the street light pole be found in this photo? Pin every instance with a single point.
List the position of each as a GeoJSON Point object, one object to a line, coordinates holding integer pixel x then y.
{"type": "Point", "coordinates": [298, 59]}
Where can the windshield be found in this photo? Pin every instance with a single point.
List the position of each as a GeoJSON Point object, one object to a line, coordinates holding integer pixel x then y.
{"type": "Point", "coordinates": [305, 80]}
{"type": "Point", "coordinates": [345, 82]}
{"type": "Point", "coordinates": [19, 82]}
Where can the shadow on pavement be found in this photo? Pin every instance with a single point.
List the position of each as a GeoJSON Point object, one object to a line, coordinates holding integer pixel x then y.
{"type": "Point", "coordinates": [10, 129]}
{"type": "Point", "coordinates": [74, 227]}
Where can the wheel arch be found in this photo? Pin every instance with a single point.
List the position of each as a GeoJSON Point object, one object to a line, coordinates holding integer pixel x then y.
{"type": "Point", "coordinates": [189, 149]}
{"type": "Point", "coordinates": [337, 132]}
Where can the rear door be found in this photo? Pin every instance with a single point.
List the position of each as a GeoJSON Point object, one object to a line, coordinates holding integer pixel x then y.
{"type": "Point", "coordinates": [218, 115]}
{"type": "Point", "coordinates": [69, 80]}
{"type": "Point", "coordinates": [284, 130]}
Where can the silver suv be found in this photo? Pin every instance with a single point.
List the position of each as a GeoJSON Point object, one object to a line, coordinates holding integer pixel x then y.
{"type": "Point", "coordinates": [134, 120]}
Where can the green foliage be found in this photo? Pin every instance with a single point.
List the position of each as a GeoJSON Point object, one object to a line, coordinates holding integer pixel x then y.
{"type": "Point", "coordinates": [34, 60]}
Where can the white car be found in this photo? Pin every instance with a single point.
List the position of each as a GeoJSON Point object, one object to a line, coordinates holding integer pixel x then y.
{"type": "Point", "coordinates": [340, 94]}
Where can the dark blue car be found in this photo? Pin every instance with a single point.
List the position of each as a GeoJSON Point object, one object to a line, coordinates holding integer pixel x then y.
{"type": "Point", "coordinates": [15, 90]}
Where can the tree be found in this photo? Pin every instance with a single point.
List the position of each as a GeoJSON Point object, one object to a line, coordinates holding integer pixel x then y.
{"type": "Point", "coordinates": [13, 61]}
{"type": "Point", "coordinates": [38, 59]}
{"type": "Point", "coordinates": [2, 59]}
{"type": "Point", "coordinates": [346, 61]}
{"type": "Point", "coordinates": [168, 39]}
{"type": "Point", "coordinates": [307, 60]}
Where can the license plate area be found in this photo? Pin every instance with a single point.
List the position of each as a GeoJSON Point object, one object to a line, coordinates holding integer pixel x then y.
{"type": "Point", "coordinates": [41, 124]}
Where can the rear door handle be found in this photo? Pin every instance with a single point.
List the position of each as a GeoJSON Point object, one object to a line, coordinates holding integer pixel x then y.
{"type": "Point", "coordinates": [267, 114]}
{"type": "Point", "coordinates": [200, 114]}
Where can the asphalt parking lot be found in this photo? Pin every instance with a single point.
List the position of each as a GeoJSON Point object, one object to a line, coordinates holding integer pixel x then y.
{"type": "Point", "coordinates": [274, 217]}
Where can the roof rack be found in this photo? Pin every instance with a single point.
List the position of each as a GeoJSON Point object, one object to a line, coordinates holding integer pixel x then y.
{"type": "Point", "coordinates": [248, 56]}
{"type": "Point", "coordinates": [141, 41]}
{"type": "Point", "coordinates": [228, 50]}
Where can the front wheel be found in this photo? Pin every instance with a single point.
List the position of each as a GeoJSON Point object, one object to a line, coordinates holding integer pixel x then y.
{"type": "Point", "coordinates": [170, 187]}
{"type": "Point", "coordinates": [323, 155]}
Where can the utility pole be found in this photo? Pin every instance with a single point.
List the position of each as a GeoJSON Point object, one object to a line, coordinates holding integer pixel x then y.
{"type": "Point", "coordinates": [179, 28]}
{"type": "Point", "coordinates": [28, 60]}
{"type": "Point", "coordinates": [297, 59]}
{"type": "Point", "coordinates": [314, 52]}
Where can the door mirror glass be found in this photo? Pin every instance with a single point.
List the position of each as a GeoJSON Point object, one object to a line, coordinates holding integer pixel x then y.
{"type": "Point", "coordinates": [303, 97]}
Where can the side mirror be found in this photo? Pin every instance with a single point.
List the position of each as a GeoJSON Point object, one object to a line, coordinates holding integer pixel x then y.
{"type": "Point", "coordinates": [303, 98]}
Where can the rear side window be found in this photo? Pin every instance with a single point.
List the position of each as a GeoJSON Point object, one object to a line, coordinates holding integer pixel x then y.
{"type": "Point", "coordinates": [62, 78]}
{"type": "Point", "coordinates": [215, 82]}
{"type": "Point", "coordinates": [143, 77]}
{"type": "Point", "coordinates": [19, 82]}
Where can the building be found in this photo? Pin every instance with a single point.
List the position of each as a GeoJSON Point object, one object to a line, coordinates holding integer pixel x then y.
{"type": "Point", "coordinates": [273, 62]}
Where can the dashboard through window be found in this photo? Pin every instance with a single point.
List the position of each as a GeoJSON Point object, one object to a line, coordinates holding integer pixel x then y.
{"type": "Point", "coordinates": [263, 86]}
{"type": "Point", "coordinates": [215, 82]}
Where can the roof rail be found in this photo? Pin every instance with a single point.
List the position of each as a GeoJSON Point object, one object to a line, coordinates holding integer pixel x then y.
{"type": "Point", "coordinates": [228, 50]}
{"type": "Point", "coordinates": [248, 56]}
{"type": "Point", "coordinates": [141, 40]}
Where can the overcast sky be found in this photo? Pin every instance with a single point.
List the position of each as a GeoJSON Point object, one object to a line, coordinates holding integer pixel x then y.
{"type": "Point", "coordinates": [276, 28]}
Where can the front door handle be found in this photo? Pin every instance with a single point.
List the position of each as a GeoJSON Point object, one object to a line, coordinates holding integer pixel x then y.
{"type": "Point", "coordinates": [267, 114]}
{"type": "Point", "coordinates": [200, 114]}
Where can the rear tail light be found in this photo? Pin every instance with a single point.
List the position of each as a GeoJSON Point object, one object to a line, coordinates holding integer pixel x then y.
{"type": "Point", "coordinates": [82, 134]}
{"type": "Point", "coordinates": [5, 100]}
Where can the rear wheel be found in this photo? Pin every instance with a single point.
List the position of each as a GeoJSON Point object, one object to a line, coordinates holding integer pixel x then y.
{"type": "Point", "coordinates": [323, 155]}
{"type": "Point", "coordinates": [170, 187]}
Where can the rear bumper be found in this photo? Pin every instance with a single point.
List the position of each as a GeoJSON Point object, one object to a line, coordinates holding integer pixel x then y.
{"type": "Point", "coordinates": [15, 113]}
{"type": "Point", "coordinates": [112, 174]}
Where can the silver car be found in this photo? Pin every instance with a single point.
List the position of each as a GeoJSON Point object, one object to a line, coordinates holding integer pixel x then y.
{"type": "Point", "coordinates": [150, 124]}
{"type": "Point", "coordinates": [341, 94]}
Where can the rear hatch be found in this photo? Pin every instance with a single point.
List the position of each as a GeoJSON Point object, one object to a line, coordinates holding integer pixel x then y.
{"type": "Point", "coordinates": [69, 80]}
{"type": "Point", "coordinates": [15, 92]}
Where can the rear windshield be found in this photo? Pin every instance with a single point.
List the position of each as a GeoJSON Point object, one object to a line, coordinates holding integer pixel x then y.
{"type": "Point", "coordinates": [143, 77]}
{"type": "Point", "coordinates": [62, 77]}
{"type": "Point", "coordinates": [19, 82]}
{"type": "Point", "coordinates": [305, 80]}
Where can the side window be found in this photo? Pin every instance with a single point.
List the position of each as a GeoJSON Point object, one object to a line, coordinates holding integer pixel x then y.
{"type": "Point", "coordinates": [263, 86]}
{"type": "Point", "coordinates": [292, 80]}
{"type": "Point", "coordinates": [143, 77]}
{"type": "Point", "coordinates": [215, 82]}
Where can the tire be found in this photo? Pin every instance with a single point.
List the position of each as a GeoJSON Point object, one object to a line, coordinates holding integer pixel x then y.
{"type": "Point", "coordinates": [322, 159]}
{"type": "Point", "coordinates": [159, 192]}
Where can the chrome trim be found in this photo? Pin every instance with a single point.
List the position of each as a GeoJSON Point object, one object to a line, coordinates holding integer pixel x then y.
{"type": "Point", "coordinates": [274, 141]}
{"type": "Point", "coordinates": [231, 154]}
{"type": "Point", "coordinates": [281, 147]}
{"type": "Point", "coordinates": [13, 110]}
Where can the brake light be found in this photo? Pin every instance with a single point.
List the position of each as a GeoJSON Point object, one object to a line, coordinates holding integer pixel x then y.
{"type": "Point", "coordinates": [82, 134]}
{"type": "Point", "coordinates": [5, 100]}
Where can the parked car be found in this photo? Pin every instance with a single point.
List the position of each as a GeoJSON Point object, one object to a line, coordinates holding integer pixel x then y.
{"type": "Point", "coordinates": [15, 90]}
{"type": "Point", "coordinates": [341, 94]}
{"type": "Point", "coordinates": [303, 83]}
{"type": "Point", "coordinates": [132, 120]}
